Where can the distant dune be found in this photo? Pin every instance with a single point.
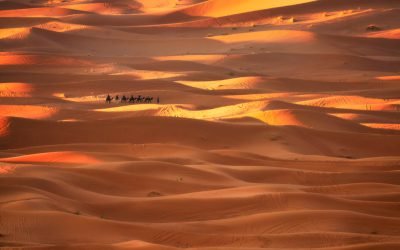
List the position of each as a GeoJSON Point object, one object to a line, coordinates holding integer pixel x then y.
{"type": "Point", "coordinates": [268, 124]}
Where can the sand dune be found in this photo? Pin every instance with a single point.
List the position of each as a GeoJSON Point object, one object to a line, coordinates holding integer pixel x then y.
{"type": "Point", "coordinates": [391, 34]}
{"type": "Point", "coordinates": [26, 111]}
{"type": "Point", "coordinates": [38, 12]}
{"type": "Point", "coordinates": [13, 5]}
{"type": "Point", "coordinates": [308, 119]}
{"type": "Point", "coordinates": [352, 102]}
{"type": "Point", "coordinates": [105, 8]}
{"type": "Point", "coordinates": [15, 89]}
{"type": "Point", "coordinates": [308, 12]}
{"type": "Point", "coordinates": [79, 43]}
{"type": "Point", "coordinates": [232, 83]}
{"type": "Point", "coordinates": [59, 157]}
{"type": "Point", "coordinates": [277, 125]}
{"type": "Point", "coordinates": [21, 59]}
{"type": "Point", "coordinates": [218, 8]}
{"type": "Point", "coordinates": [359, 23]}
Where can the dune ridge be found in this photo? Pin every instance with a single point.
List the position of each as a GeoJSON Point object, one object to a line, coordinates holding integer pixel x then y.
{"type": "Point", "coordinates": [277, 125]}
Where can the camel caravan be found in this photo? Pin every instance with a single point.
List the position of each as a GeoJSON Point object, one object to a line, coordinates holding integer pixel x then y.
{"type": "Point", "coordinates": [131, 99]}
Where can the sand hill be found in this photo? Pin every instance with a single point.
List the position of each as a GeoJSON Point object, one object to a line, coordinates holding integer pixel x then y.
{"type": "Point", "coordinates": [278, 125]}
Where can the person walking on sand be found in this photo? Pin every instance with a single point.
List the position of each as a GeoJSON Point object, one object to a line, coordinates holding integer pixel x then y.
{"type": "Point", "coordinates": [117, 98]}
{"type": "Point", "coordinates": [158, 100]}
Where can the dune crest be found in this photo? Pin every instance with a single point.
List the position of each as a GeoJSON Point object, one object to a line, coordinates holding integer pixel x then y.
{"type": "Point", "coordinates": [15, 89]}
{"type": "Point", "coordinates": [200, 124]}
{"type": "Point", "coordinates": [53, 157]}
{"type": "Point", "coordinates": [218, 8]}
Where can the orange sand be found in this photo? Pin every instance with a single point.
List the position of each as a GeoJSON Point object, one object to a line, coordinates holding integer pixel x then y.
{"type": "Point", "coordinates": [278, 127]}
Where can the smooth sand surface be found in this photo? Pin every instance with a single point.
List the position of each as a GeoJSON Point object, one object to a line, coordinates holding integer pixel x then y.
{"type": "Point", "coordinates": [278, 125]}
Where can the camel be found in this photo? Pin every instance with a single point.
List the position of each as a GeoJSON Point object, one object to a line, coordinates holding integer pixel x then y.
{"type": "Point", "coordinates": [124, 99]}
{"type": "Point", "coordinates": [109, 99]}
{"type": "Point", "coordinates": [132, 99]}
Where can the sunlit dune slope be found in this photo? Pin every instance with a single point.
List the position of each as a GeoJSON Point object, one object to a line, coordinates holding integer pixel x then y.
{"type": "Point", "coordinates": [353, 102]}
{"type": "Point", "coordinates": [322, 15]}
{"type": "Point", "coordinates": [21, 59]}
{"type": "Point", "coordinates": [15, 89]}
{"type": "Point", "coordinates": [249, 124]}
{"type": "Point", "coordinates": [391, 34]}
{"type": "Point", "coordinates": [217, 8]}
{"type": "Point", "coordinates": [27, 111]}
{"type": "Point", "coordinates": [38, 12]}
{"type": "Point", "coordinates": [117, 7]}
{"type": "Point", "coordinates": [56, 157]}
{"type": "Point", "coordinates": [233, 83]}
{"type": "Point", "coordinates": [309, 119]}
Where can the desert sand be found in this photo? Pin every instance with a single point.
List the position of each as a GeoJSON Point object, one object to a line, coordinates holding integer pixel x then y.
{"type": "Point", "coordinates": [278, 125]}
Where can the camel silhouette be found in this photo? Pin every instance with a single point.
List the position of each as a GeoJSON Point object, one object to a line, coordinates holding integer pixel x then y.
{"type": "Point", "coordinates": [109, 99]}
{"type": "Point", "coordinates": [148, 99]}
{"type": "Point", "coordinates": [124, 99]}
{"type": "Point", "coordinates": [132, 99]}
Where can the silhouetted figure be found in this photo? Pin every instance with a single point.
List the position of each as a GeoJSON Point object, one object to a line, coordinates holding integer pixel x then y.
{"type": "Point", "coordinates": [117, 98]}
{"type": "Point", "coordinates": [132, 99]}
{"type": "Point", "coordinates": [158, 100]}
{"type": "Point", "coordinates": [108, 99]}
{"type": "Point", "coordinates": [148, 99]}
{"type": "Point", "coordinates": [124, 99]}
{"type": "Point", "coordinates": [139, 99]}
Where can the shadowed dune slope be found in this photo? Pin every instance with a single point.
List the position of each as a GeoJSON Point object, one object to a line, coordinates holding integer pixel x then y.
{"type": "Point", "coordinates": [249, 125]}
